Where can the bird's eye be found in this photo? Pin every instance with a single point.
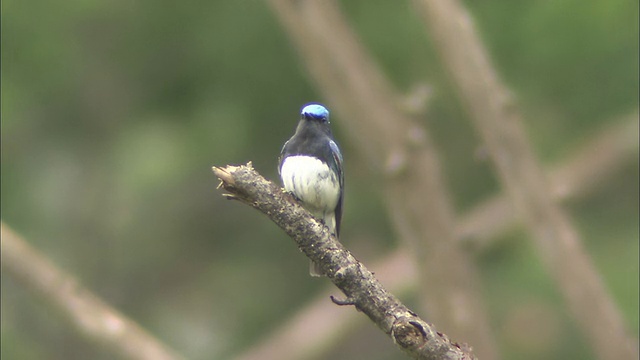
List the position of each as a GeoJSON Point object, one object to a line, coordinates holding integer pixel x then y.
{"type": "Point", "coordinates": [320, 118]}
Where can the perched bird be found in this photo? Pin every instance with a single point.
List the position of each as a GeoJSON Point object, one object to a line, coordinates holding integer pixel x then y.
{"type": "Point", "coordinates": [311, 169]}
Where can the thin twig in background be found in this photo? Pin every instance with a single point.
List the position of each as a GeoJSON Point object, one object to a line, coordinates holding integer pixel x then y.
{"type": "Point", "coordinates": [413, 335]}
{"type": "Point", "coordinates": [91, 317]}
{"type": "Point", "coordinates": [400, 149]}
{"type": "Point", "coordinates": [590, 164]}
{"type": "Point", "coordinates": [499, 123]}
{"type": "Point", "coordinates": [596, 161]}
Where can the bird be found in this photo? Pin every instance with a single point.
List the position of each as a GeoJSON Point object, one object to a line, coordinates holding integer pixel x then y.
{"type": "Point", "coordinates": [310, 167]}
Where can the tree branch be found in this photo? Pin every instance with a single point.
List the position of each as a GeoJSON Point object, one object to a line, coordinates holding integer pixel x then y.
{"type": "Point", "coordinates": [329, 324]}
{"type": "Point", "coordinates": [499, 122]}
{"type": "Point", "coordinates": [91, 317]}
{"type": "Point", "coordinates": [400, 150]}
{"type": "Point", "coordinates": [412, 334]}
{"type": "Point", "coordinates": [616, 146]}
{"type": "Point", "coordinates": [594, 162]}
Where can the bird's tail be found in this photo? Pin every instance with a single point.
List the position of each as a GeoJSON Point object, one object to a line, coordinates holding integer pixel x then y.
{"type": "Point", "coordinates": [314, 269]}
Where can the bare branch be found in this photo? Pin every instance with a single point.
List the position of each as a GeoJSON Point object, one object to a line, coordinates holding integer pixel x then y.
{"type": "Point", "coordinates": [596, 161]}
{"type": "Point", "coordinates": [412, 334]}
{"type": "Point", "coordinates": [499, 122]}
{"type": "Point", "coordinates": [329, 323]}
{"type": "Point", "coordinates": [401, 151]}
{"type": "Point", "coordinates": [616, 145]}
{"type": "Point", "coordinates": [91, 317]}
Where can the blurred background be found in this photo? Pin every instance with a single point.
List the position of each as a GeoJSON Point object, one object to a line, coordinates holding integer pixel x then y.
{"type": "Point", "coordinates": [114, 112]}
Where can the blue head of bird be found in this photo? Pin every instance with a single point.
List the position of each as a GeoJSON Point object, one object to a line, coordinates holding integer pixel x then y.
{"type": "Point", "coordinates": [315, 111]}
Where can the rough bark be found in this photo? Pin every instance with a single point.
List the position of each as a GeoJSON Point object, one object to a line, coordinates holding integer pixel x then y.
{"type": "Point", "coordinates": [412, 334]}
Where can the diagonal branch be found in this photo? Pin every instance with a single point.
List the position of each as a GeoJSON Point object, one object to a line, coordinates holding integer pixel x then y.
{"type": "Point", "coordinates": [616, 146]}
{"type": "Point", "coordinates": [91, 317]}
{"type": "Point", "coordinates": [594, 162]}
{"type": "Point", "coordinates": [499, 122]}
{"type": "Point", "coordinates": [396, 271]}
{"type": "Point", "coordinates": [402, 152]}
{"type": "Point", "coordinates": [412, 334]}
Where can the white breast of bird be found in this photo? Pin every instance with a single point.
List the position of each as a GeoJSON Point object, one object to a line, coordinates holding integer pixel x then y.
{"type": "Point", "coordinates": [313, 182]}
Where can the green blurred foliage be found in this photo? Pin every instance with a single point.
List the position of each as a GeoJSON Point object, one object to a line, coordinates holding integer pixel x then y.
{"type": "Point", "coordinates": [114, 112]}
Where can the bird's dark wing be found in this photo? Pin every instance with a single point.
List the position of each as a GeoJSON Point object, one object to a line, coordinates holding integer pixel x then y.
{"type": "Point", "coordinates": [282, 155]}
{"type": "Point", "coordinates": [336, 165]}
